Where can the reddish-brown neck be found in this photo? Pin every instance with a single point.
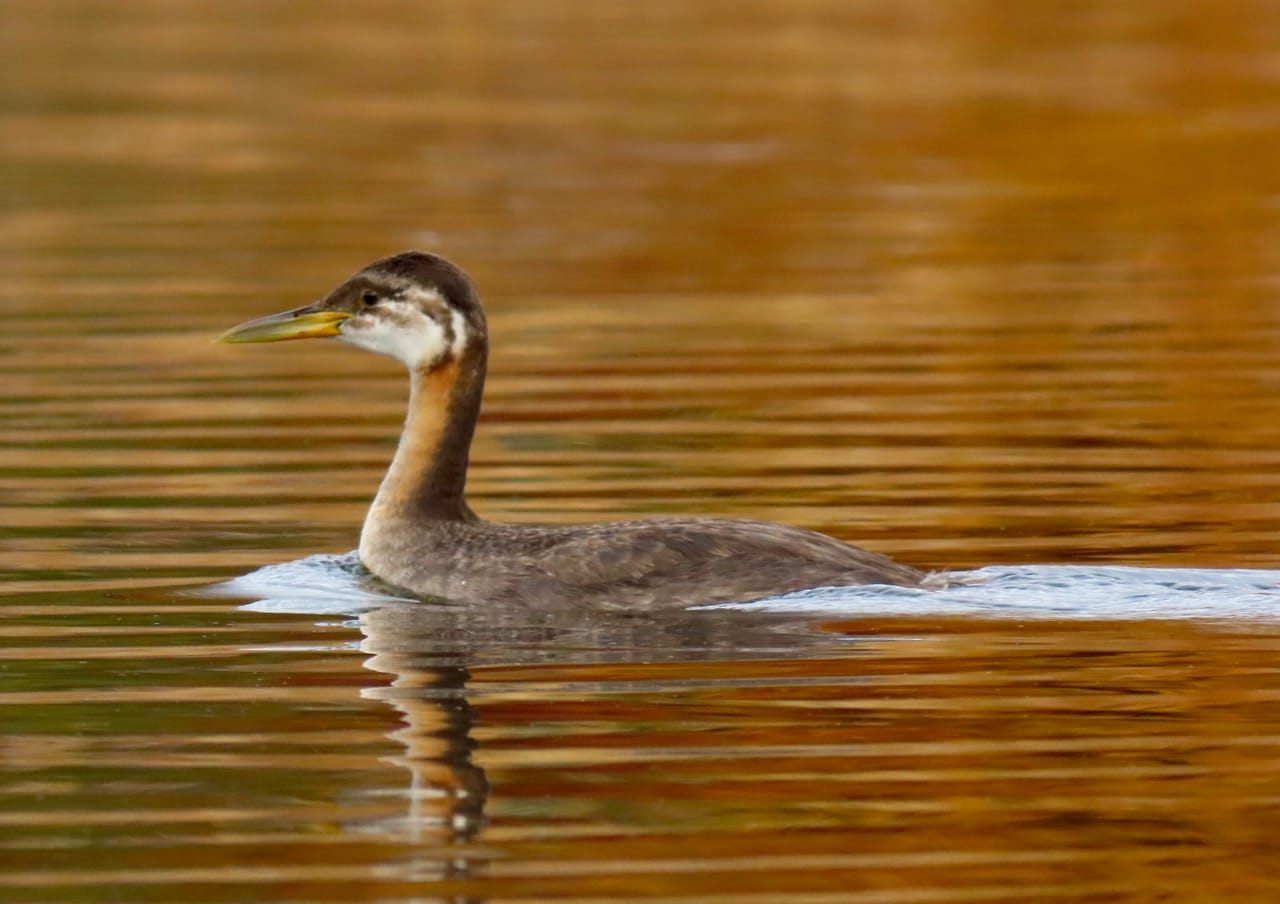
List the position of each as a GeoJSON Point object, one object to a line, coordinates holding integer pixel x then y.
{"type": "Point", "coordinates": [427, 479]}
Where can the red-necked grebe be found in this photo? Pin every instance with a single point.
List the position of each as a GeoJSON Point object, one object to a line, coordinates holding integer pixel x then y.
{"type": "Point", "coordinates": [420, 534]}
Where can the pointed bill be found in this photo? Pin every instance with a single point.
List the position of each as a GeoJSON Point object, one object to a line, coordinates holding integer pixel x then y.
{"type": "Point", "coordinates": [302, 323]}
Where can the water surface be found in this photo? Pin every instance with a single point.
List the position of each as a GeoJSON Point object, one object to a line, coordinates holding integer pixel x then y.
{"type": "Point", "coordinates": [969, 284]}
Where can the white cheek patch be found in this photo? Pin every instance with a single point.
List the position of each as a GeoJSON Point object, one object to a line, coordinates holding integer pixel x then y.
{"type": "Point", "coordinates": [400, 329]}
{"type": "Point", "coordinates": [459, 334]}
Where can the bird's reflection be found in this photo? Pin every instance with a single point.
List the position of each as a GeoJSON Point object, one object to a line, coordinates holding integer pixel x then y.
{"type": "Point", "coordinates": [430, 650]}
{"type": "Point", "coordinates": [447, 791]}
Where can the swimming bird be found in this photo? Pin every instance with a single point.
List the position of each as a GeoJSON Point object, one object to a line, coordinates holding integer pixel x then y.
{"type": "Point", "coordinates": [422, 536]}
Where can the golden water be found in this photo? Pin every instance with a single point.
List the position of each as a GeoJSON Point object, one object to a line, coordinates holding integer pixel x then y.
{"type": "Point", "coordinates": [967, 283]}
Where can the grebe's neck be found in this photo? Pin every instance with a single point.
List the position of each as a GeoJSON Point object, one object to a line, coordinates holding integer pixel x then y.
{"type": "Point", "coordinates": [427, 478]}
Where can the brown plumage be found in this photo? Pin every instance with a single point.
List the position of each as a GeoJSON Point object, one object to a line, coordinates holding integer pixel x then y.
{"type": "Point", "coordinates": [422, 536]}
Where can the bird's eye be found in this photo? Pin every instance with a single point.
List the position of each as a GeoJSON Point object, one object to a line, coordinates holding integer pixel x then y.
{"type": "Point", "coordinates": [369, 297]}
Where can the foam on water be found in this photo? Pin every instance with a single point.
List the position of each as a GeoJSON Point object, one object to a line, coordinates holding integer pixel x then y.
{"type": "Point", "coordinates": [1056, 591]}
{"type": "Point", "coordinates": [327, 584]}
{"type": "Point", "coordinates": [316, 585]}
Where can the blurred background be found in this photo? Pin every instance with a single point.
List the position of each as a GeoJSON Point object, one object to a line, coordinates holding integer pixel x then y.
{"type": "Point", "coordinates": [965, 281]}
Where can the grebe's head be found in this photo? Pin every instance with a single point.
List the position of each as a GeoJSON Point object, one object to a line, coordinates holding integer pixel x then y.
{"type": "Point", "coordinates": [416, 307]}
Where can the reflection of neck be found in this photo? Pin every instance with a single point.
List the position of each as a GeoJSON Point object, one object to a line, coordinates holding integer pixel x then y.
{"type": "Point", "coordinates": [428, 476]}
{"type": "Point", "coordinates": [448, 792]}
